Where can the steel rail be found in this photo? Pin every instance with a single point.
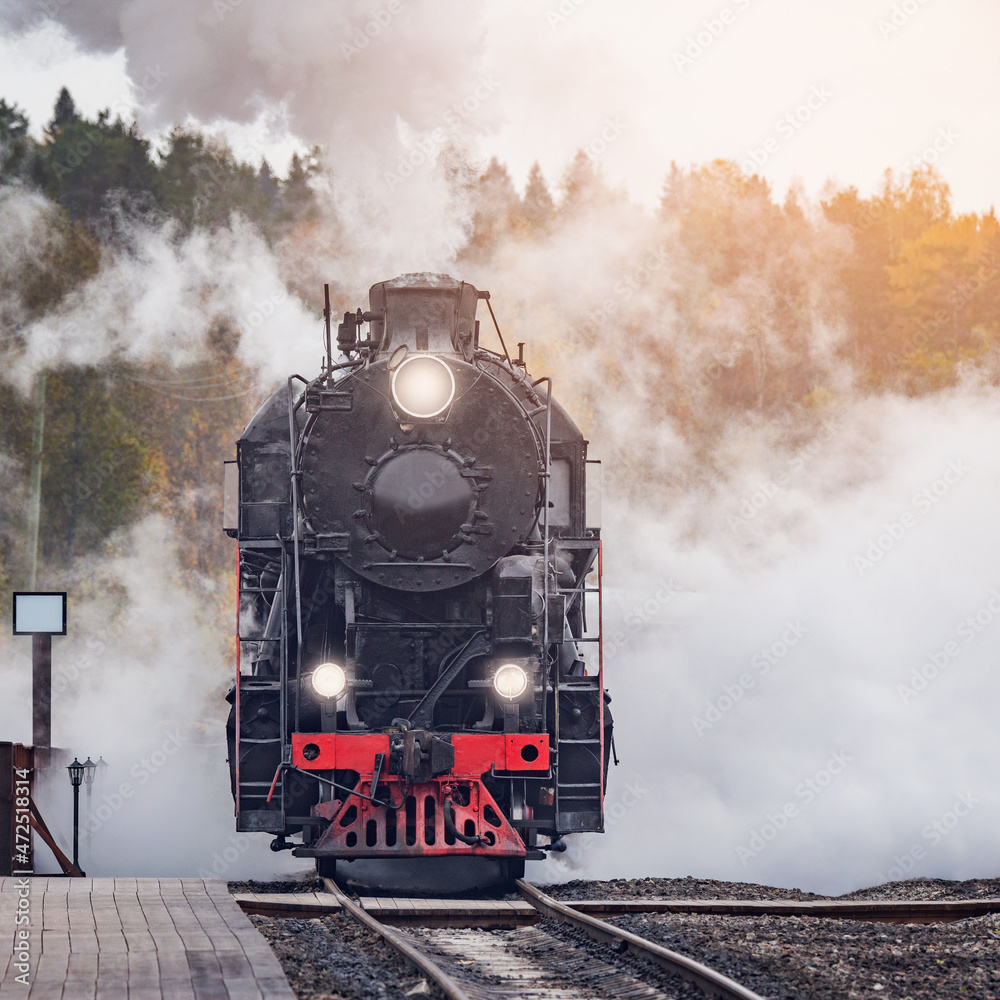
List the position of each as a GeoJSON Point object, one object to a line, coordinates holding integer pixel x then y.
{"type": "Point", "coordinates": [707, 980]}
{"type": "Point", "coordinates": [449, 987]}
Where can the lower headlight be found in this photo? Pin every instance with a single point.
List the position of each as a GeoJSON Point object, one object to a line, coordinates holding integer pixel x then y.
{"type": "Point", "coordinates": [510, 681]}
{"type": "Point", "coordinates": [329, 680]}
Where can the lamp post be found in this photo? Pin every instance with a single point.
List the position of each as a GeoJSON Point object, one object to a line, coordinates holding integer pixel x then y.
{"type": "Point", "coordinates": [90, 772]}
{"type": "Point", "coordinates": [76, 770]}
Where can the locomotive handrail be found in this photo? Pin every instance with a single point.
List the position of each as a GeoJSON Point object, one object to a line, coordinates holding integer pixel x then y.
{"type": "Point", "coordinates": [489, 306]}
{"type": "Point", "coordinates": [293, 462]}
{"type": "Point", "coordinates": [546, 569]}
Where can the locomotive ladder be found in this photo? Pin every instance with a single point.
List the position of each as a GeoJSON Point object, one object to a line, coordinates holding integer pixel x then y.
{"type": "Point", "coordinates": [585, 796]}
{"type": "Point", "coordinates": [578, 797]}
{"type": "Point", "coordinates": [577, 801]}
{"type": "Point", "coordinates": [253, 794]}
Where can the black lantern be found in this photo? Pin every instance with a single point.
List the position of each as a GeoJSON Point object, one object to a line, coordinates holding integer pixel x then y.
{"type": "Point", "coordinates": [89, 774]}
{"type": "Point", "coordinates": [76, 772]}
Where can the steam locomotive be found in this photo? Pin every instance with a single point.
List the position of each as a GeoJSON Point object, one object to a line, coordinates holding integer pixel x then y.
{"type": "Point", "coordinates": [417, 673]}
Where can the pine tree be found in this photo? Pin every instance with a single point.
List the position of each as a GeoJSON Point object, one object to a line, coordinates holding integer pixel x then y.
{"type": "Point", "coordinates": [538, 208]}
{"type": "Point", "coordinates": [64, 113]}
{"type": "Point", "coordinates": [15, 142]}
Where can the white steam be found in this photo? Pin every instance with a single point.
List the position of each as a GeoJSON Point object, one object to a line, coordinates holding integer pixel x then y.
{"type": "Point", "coordinates": [854, 756]}
{"type": "Point", "coordinates": [140, 681]}
{"type": "Point", "coordinates": [158, 297]}
{"type": "Point", "coordinates": [387, 89]}
{"type": "Point", "coordinates": [820, 711]}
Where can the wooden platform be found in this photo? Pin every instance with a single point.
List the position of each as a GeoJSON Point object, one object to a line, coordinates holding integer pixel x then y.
{"type": "Point", "coordinates": [140, 938]}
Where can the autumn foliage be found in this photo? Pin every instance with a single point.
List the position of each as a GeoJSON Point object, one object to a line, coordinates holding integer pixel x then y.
{"type": "Point", "coordinates": [755, 309]}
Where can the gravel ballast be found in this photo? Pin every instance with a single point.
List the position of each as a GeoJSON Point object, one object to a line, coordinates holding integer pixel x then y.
{"type": "Point", "coordinates": [781, 958]}
{"type": "Point", "coordinates": [335, 958]}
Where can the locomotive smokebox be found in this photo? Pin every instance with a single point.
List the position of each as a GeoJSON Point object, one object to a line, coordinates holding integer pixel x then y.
{"type": "Point", "coordinates": [422, 465]}
{"type": "Point", "coordinates": [424, 312]}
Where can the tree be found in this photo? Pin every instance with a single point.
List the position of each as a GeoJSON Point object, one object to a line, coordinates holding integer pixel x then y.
{"type": "Point", "coordinates": [15, 143]}
{"type": "Point", "coordinates": [298, 200]}
{"type": "Point", "coordinates": [583, 186]}
{"type": "Point", "coordinates": [497, 209]}
{"type": "Point", "coordinates": [97, 471]}
{"type": "Point", "coordinates": [877, 304]}
{"type": "Point", "coordinates": [201, 183]}
{"type": "Point", "coordinates": [83, 161]}
{"type": "Point", "coordinates": [64, 113]}
{"type": "Point", "coordinates": [538, 209]}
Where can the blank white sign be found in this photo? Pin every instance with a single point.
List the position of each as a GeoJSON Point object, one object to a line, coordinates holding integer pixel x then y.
{"type": "Point", "coordinates": [39, 613]}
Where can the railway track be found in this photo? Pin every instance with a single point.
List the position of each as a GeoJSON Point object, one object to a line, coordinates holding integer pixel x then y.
{"type": "Point", "coordinates": [521, 959]}
{"type": "Point", "coordinates": [470, 965]}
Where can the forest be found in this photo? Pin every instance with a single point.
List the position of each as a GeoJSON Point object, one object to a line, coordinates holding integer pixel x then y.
{"type": "Point", "coordinates": [741, 309]}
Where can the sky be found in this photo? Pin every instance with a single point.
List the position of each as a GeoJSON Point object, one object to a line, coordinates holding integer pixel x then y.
{"type": "Point", "coordinates": [869, 85]}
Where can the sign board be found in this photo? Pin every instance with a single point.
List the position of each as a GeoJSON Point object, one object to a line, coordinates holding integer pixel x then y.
{"type": "Point", "coordinates": [40, 613]}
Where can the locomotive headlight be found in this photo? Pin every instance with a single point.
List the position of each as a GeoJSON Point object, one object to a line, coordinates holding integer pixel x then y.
{"type": "Point", "coordinates": [329, 680]}
{"type": "Point", "coordinates": [510, 681]}
{"type": "Point", "coordinates": [423, 386]}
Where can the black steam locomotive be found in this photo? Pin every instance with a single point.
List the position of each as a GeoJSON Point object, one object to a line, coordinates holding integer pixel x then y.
{"type": "Point", "coordinates": [417, 675]}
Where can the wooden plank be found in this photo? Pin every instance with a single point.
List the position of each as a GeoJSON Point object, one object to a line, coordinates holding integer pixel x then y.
{"type": "Point", "coordinates": [82, 967]}
{"type": "Point", "coordinates": [175, 939]}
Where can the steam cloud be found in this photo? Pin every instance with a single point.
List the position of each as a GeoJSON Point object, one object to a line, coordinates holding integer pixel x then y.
{"type": "Point", "coordinates": [139, 681]}
{"type": "Point", "coordinates": [766, 661]}
{"type": "Point", "coordinates": [384, 87]}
